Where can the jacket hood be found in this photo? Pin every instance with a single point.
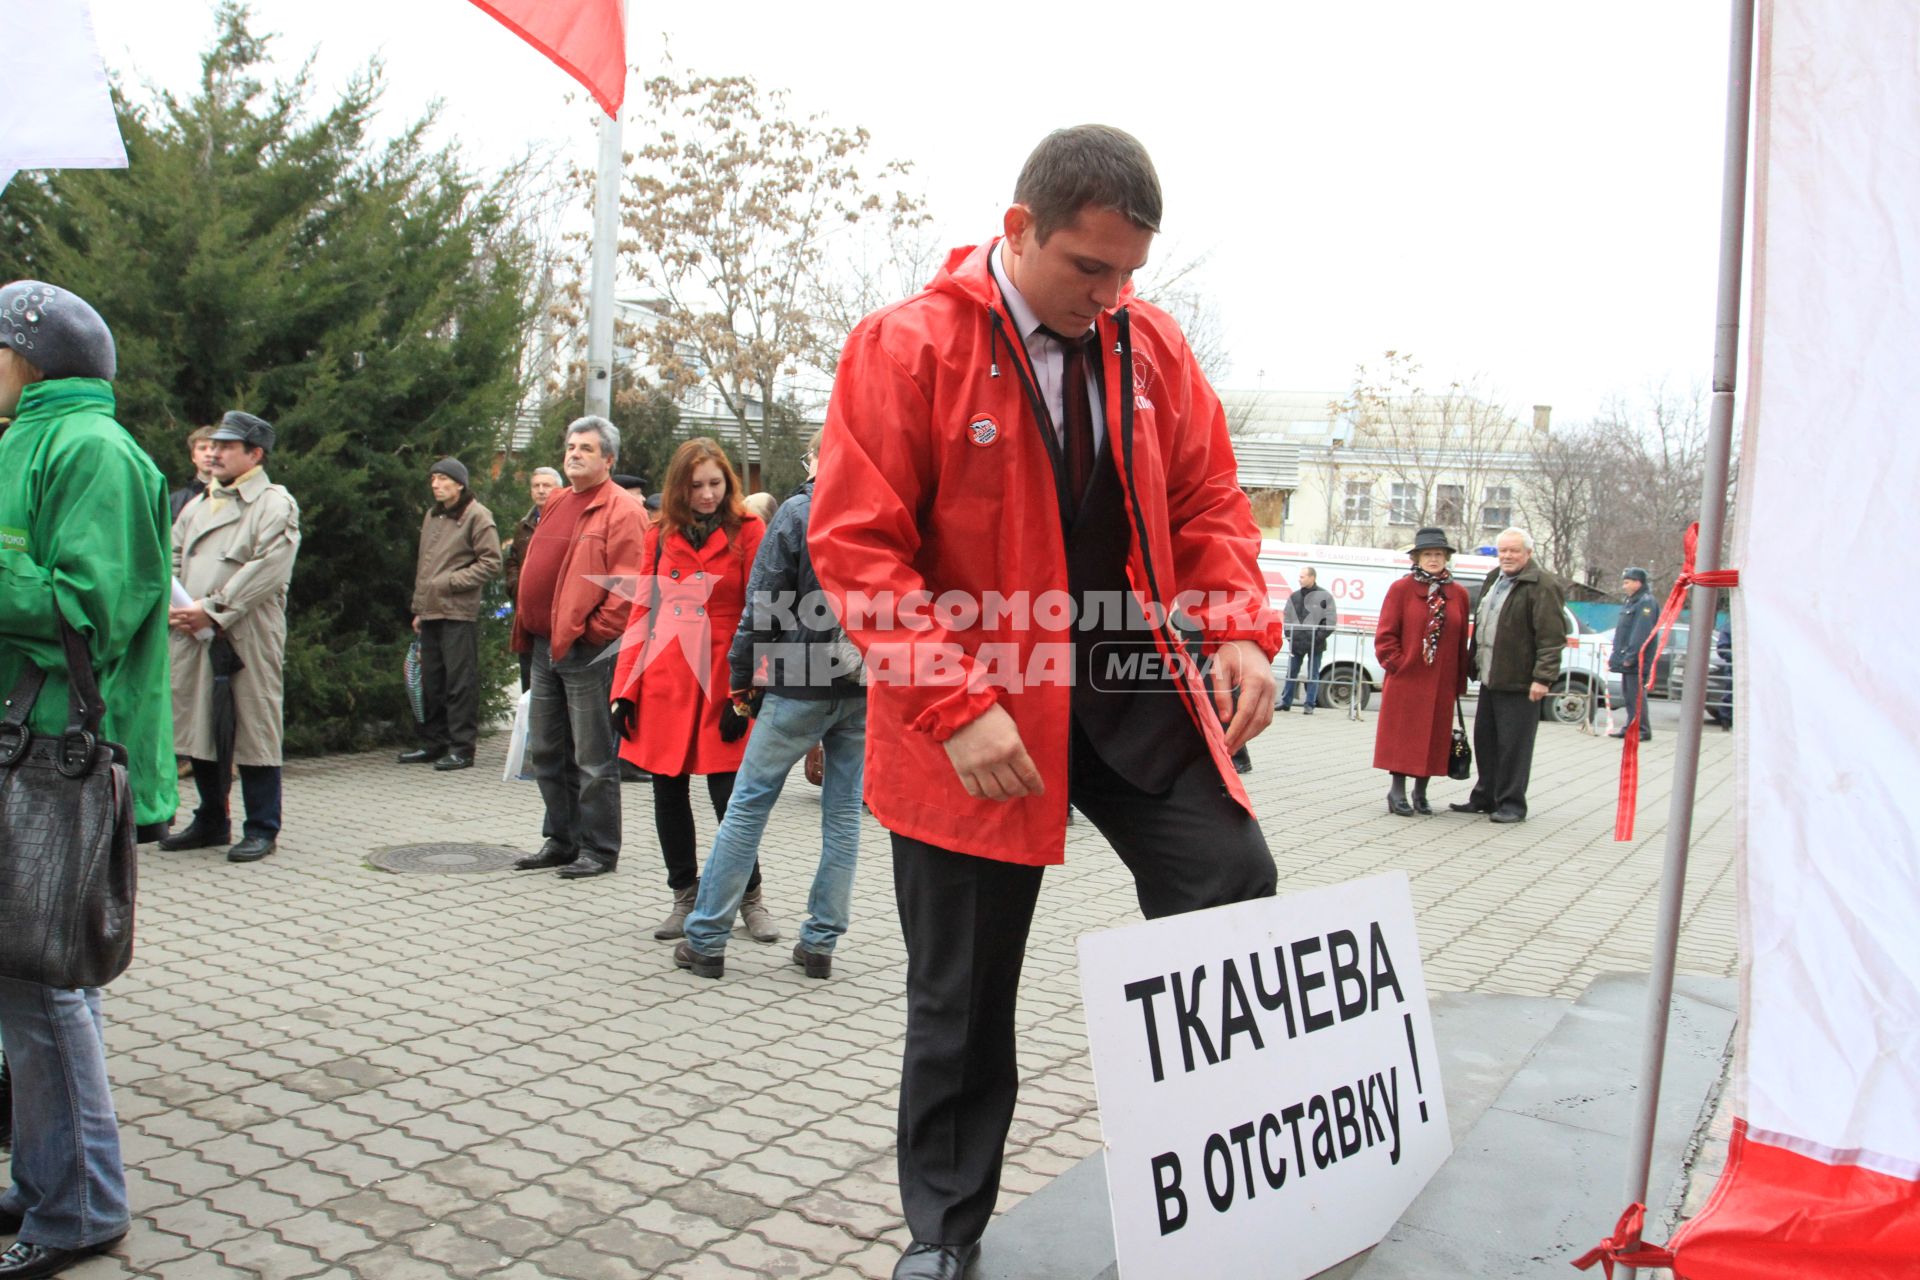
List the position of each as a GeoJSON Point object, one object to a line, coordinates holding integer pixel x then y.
{"type": "Point", "coordinates": [967, 274]}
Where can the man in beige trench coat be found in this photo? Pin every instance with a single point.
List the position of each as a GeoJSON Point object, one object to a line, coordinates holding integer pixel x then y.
{"type": "Point", "coordinates": [233, 550]}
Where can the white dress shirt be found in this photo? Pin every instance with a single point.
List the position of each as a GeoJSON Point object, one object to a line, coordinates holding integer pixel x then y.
{"type": "Point", "coordinates": [1049, 358]}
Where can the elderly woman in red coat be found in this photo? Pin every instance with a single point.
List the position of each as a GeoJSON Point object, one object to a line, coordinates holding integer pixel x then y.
{"type": "Point", "coordinates": [670, 687]}
{"type": "Point", "coordinates": [1421, 642]}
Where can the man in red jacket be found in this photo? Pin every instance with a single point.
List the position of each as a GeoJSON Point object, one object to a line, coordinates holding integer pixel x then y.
{"type": "Point", "coordinates": [1028, 519]}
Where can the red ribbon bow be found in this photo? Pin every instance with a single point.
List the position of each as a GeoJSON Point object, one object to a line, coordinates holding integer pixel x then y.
{"type": "Point", "coordinates": [1669, 614]}
{"type": "Point", "coordinates": [1624, 1246]}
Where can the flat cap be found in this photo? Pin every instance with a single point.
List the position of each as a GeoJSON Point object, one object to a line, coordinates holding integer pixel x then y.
{"type": "Point", "coordinates": [255, 433]}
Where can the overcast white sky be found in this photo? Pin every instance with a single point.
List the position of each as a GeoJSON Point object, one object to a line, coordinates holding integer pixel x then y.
{"type": "Point", "coordinates": [1526, 190]}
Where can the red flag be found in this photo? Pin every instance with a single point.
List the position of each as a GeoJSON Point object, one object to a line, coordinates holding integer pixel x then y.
{"type": "Point", "coordinates": [586, 38]}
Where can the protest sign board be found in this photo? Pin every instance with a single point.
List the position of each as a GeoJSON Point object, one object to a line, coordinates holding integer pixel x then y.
{"type": "Point", "coordinates": [1269, 1088]}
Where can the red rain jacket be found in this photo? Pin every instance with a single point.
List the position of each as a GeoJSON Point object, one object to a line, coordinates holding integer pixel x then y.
{"type": "Point", "coordinates": [935, 477]}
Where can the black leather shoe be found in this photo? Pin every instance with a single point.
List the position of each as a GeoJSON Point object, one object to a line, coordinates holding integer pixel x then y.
{"type": "Point", "coordinates": [252, 849]}
{"type": "Point", "coordinates": [1507, 815]}
{"type": "Point", "coordinates": [700, 966]}
{"type": "Point", "coordinates": [195, 836]}
{"type": "Point", "coordinates": [1468, 807]}
{"type": "Point", "coordinates": [1398, 807]}
{"type": "Point", "coordinates": [1421, 807]}
{"type": "Point", "coordinates": [25, 1261]}
{"type": "Point", "coordinates": [582, 867]}
{"type": "Point", "coordinates": [552, 854]}
{"type": "Point", "coordinates": [936, 1261]}
{"type": "Point", "coordinates": [816, 965]}
{"type": "Point", "coordinates": [453, 760]}
{"type": "Point", "coordinates": [420, 755]}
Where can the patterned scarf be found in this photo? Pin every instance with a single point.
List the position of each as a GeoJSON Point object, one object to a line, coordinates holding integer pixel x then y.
{"type": "Point", "coordinates": [1436, 610]}
{"type": "Point", "coordinates": [702, 527]}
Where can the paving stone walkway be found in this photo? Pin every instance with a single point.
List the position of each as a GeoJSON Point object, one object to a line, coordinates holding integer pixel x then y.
{"type": "Point", "coordinates": [325, 1069]}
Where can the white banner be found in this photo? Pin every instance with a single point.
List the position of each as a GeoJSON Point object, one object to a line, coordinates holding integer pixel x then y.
{"type": "Point", "coordinates": [1828, 616]}
{"type": "Point", "coordinates": [1267, 1080]}
{"type": "Point", "coordinates": [60, 114]}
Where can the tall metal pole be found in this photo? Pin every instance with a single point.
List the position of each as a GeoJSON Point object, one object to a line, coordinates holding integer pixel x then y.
{"type": "Point", "coordinates": [606, 244]}
{"type": "Point", "coordinates": [1704, 601]}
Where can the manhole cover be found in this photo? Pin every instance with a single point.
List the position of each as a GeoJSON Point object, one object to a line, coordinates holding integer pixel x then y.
{"type": "Point", "coordinates": [444, 857]}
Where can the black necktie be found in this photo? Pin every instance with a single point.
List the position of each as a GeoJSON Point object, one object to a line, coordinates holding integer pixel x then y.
{"type": "Point", "coordinates": [1076, 415]}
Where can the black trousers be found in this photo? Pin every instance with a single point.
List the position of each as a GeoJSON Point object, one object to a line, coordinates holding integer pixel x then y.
{"type": "Point", "coordinates": [966, 920]}
{"type": "Point", "coordinates": [1633, 698]}
{"type": "Point", "coordinates": [673, 823]}
{"type": "Point", "coordinates": [450, 683]}
{"type": "Point", "coordinates": [1504, 727]}
{"type": "Point", "coordinates": [259, 788]}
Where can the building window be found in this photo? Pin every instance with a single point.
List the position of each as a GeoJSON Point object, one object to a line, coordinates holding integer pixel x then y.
{"type": "Point", "coordinates": [1450, 505]}
{"type": "Point", "coordinates": [1497, 512]}
{"type": "Point", "coordinates": [1404, 507]}
{"type": "Point", "coordinates": [1358, 507]}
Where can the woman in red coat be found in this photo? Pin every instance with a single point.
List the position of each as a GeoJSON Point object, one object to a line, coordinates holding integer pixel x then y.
{"type": "Point", "coordinates": [1421, 642]}
{"type": "Point", "coordinates": [670, 686]}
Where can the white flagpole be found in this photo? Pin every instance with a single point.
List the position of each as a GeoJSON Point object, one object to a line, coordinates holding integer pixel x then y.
{"type": "Point", "coordinates": [1704, 601]}
{"type": "Point", "coordinates": [606, 244]}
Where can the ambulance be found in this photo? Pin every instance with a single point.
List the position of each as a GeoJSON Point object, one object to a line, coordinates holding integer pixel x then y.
{"type": "Point", "coordinates": [1358, 578]}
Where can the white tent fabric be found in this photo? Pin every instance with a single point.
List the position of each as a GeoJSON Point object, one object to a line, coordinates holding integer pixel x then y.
{"type": "Point", "coordinates": [1828, 616]}
{"type": "Point", "coordinates": [1823, 1175]}
{"type": "Point", "coordinates": [60, 113]}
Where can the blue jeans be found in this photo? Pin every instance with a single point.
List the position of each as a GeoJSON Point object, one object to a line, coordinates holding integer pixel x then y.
{"type": "Point", "coordinates": [785, 729]}
{"type": "Point", "coordinates": [68, 1182]}
{"type": "Point", "coordinates": [570, 750]}
{"type": "Point", "coordinates": [1293, 674]}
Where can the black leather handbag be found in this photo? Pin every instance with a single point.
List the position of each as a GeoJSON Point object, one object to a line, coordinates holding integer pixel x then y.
{"type": "Point", "coordinates": [1459, 754]}
{"type": "Point", "coordinates": [67, 873]}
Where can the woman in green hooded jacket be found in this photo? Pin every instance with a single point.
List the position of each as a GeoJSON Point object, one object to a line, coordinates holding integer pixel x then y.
{"type": "Point", "coordinates": [84, 537]}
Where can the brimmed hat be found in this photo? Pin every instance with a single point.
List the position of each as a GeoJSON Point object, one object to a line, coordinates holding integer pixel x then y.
{"type": "Point", "coordinates": [255, 433]}
{"type": "Point", "coordinates": [1430, 539]}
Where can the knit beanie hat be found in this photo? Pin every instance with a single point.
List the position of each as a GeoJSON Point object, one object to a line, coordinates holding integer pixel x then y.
{"type": "Point", "coordinates": [55, 331]}
{"type": "Point", "coordinates": [450, 467]}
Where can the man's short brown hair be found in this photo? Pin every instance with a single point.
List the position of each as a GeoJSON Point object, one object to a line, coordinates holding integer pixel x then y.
{"type": "Point", "coordinates": [198, 434]}
{"type": "Point", "coordinates": [1088, 165]}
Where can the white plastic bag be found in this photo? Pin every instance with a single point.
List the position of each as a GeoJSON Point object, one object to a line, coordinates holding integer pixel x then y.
{"type": "Point", "coordinates": [516, 768]}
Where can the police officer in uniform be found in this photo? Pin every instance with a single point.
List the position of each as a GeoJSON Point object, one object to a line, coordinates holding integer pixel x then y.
{"type": "Point", "coordinates": [1630, 634]}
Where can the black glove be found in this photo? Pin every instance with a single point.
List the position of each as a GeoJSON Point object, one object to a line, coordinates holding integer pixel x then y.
{"type": "Point", "coordinates": [733, 725]}
{"type": "Point", "coordinates": [626, 718]}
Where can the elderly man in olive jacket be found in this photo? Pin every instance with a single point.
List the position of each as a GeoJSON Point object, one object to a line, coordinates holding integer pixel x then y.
{"type": "Point", "coordinates": [459, 555]}
{"type": "Point", "coordinates": [233, 552]}
{"type": "Point", "coordinates": [1519, 629]}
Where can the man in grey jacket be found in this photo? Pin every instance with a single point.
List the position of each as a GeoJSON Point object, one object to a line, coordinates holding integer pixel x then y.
{"type": "Point", "coordinates": [1310, 616]}
{"type": "Point", "coordinates": [459, 554]}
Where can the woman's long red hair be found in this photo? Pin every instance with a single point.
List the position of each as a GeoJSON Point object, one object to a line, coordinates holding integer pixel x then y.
{"type": "Point", "coordinates": [676, 499]}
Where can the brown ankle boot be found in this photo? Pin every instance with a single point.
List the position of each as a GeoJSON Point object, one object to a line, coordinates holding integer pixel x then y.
{"type": "Point", "coordinates": [759, 921]}
{"type": "Point", "coordinates": [675, 925]}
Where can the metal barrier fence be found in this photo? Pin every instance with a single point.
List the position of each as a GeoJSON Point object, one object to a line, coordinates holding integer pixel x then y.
{"type": "Point", "coordinates": [1585, 694]}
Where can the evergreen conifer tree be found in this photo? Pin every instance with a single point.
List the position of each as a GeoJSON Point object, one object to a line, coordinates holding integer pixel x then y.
{"type": "Point", "coordinates": [367, 297]}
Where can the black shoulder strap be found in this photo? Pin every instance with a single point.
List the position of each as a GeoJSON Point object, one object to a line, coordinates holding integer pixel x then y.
{"type": "Point", "coordinates": [26, 691]}
{"type": "Point", "coordinates": [84, 706]}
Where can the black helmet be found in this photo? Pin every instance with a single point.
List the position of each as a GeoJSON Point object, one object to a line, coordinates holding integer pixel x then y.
{"type": "Point", "coordinates": [55, 331]}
